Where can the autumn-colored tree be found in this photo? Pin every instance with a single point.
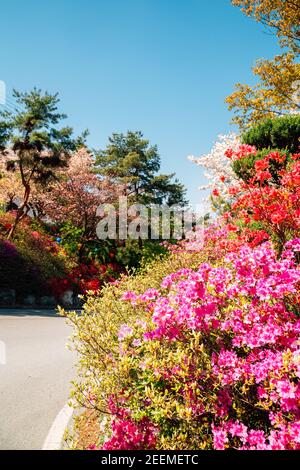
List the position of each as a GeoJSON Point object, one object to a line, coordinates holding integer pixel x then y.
{"type": "Point", "coordinates": [278, 80]}
{"type": "Point", "coordinates": [283, 16]}
{"type": "Point", "coordinates": [274, 95]}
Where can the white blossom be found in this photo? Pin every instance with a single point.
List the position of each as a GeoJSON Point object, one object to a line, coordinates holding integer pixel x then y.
{"type": "Point", "coordinates": [218, 169]}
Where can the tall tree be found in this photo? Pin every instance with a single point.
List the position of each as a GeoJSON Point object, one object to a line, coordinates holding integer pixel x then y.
{"type": "Point", "coordinates": [40, 147]}
{"type": "Point", "coordinates": [4, 134]}
{"type": "Point", "coordinates": [130, 160]}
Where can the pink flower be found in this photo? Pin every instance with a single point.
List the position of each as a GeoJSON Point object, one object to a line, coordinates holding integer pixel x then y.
{"type": "Point", "coordinates": [220, 437]}
{"type": "Point", "coordinates": [241, 321]}
{"type": "Point", "coordinates": [238, 429]}
{"type": "Point", "coordinates": [129, 296]}
{"type": "Point", "coordinates": [286, 389]}
{"type": "Point", "coordinates": [257, 439]}
{"type": "Point", "coordinates": [124, 332]}
{"type": "Point", "coordinates": [150, 294]}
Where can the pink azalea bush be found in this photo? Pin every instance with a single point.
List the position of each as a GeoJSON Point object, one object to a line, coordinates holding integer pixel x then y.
{"type": "Point", "coordinates": [219, 351]}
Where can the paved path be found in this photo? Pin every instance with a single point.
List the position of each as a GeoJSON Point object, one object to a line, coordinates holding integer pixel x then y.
{"type": "Point", "coordinates": [35, 381]}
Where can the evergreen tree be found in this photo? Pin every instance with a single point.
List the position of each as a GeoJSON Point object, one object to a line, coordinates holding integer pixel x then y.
{"type": "Point", "coordinates": [130, 160]}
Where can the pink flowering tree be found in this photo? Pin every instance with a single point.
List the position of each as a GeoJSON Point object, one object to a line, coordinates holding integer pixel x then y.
{"type": "Point", "coordinates": [76, 196]}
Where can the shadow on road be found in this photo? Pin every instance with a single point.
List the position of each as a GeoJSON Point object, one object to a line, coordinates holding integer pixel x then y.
{"type": "Point", "coordinates": [24, 312]}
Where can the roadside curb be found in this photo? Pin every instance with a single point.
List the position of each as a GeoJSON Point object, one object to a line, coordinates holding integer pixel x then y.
{"type": "Point", "coordinates": [54, 439]}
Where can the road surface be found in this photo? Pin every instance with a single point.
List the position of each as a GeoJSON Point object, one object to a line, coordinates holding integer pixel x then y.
{"type": "Point", "coordinates": [35, 380]}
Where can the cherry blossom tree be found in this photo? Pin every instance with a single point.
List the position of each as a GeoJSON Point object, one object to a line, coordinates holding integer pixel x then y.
{"type": "Point", "coordinates": [76, 195]}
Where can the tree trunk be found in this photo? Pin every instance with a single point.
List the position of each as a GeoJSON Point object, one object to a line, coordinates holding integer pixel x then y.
{"type": "Point", "coordinates": [140, 243]}
{"type": "Point", "coordinates": [21, 212]}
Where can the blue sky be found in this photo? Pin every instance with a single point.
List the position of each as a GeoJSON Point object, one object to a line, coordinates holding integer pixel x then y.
{"type": "Point", "coordinates": [160, 66]}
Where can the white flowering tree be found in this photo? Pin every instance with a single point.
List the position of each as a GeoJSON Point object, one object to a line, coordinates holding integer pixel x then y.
{"type": "Point", "coordinates": [217, 166]}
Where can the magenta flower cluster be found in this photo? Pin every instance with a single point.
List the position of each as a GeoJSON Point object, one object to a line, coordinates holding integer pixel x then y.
{"type": "Point", "coordinates": [246, 310]}
{"type": "Point", "coordinates": [128, 434]}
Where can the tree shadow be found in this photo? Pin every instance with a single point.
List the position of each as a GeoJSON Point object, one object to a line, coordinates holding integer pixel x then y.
{"type": "Point", "coordinates": [29, 312]}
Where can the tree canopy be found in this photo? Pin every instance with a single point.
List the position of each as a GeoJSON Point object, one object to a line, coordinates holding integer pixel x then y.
{"type": "Point", "coordinates": [274, 94]}
{"type": "Point", "coordinates": [279, 133]}
{"type": "Point", "coordinates": [129, 159]}
{"type": "Point", "coordinates": [282, 16]}
{"type": "Point", "coordinates": [38, 144]}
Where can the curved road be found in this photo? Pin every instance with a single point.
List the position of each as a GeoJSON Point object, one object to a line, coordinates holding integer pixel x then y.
{"type": "Point", "coordinates": [34, 377]}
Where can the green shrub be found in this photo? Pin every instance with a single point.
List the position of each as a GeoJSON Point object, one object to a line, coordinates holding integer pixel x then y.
{"type": "Point", "coordinates": [133, 256]}
{"type": "Point", "coordinates": [279, 133]}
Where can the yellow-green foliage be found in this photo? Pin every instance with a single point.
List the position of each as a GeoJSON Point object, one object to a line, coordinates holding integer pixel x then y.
{"type": "Point", "coordinates": [101, 372]}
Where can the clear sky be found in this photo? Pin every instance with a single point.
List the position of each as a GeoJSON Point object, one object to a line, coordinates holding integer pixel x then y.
{"type": "Point", "coordinates": [160, 66]}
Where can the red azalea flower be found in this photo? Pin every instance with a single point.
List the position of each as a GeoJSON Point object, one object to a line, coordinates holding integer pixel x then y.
{"type": "Point", "coordinates": [278, 217]}
{"type": "Point", "coordinates": [261, 165]}
{"type": "Point", "coordinates": [36, 235]}
{"type": "Point", "coordinates": [229, 153]}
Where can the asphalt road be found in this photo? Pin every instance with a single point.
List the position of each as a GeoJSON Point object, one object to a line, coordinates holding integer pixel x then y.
{"type": "Point", "coordinates": [35, 380]}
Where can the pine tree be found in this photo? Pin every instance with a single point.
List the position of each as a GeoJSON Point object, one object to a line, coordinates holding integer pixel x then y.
{"type": "Point", "coordinates": [39, 146]}
{"type": "Point", "coordinates": [131, 160]}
